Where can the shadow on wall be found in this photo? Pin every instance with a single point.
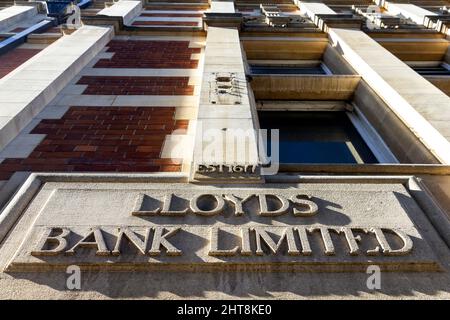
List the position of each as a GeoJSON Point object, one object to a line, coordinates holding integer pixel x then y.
{"type": "Point", "coordinates": [235, 284]}
{"type": "Point", "coordinates": [245, 284]}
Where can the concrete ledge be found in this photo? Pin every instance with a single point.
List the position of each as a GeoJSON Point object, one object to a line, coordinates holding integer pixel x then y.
{"type": "Point", "coordinates": [309, 87]}
{"type": "Point", "coordinates": [15, 14]}
{"type": "Point", "coordinates": [218, 19]}
{"type": "Point", "coordinates": [28, 89]}
{"type": "Point", "coordinates": [127, 10]}
{"type": "Point", "coordinates": [408, 10]}
{"type": "Point", "coordinates": [286, 48]}
{"type": "Point", "coordinates": [11, 186]}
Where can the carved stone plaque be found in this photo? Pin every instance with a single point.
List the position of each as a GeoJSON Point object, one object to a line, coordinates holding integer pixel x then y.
{"type": "Point", "coordinates": [226, 173]}
{"type": "Point", "coordinates": [176, 226]}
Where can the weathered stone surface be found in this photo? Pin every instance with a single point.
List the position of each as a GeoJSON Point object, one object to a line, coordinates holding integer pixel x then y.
{"type": "Point", "coordinates": [203, 228]}
{"type": "Point", "coordinates": [81, 202]}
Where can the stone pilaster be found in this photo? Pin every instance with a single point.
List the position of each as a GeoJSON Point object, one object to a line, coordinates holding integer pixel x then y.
{"type": "Point", "coordinates": [225, 128]}
{"type": "Point", "coordinates": [423, 108]}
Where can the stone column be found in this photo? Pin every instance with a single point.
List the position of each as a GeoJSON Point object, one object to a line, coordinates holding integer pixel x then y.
{"type": "Point", "coordinates": [422, 107]}
{"type": "Point", "coordinates": [225, 132]}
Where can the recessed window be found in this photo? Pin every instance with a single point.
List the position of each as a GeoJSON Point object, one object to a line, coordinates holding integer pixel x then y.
{"type": "Point", "coordinates": [316, 137]}
{"type": "Point", "coordinates": [432, 71]}
{"type": "Point", "coordinates": [287, 69]}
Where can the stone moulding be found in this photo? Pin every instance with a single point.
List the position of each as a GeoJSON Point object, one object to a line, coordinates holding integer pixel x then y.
{"type": "Point", "coordinates": [197, 226]}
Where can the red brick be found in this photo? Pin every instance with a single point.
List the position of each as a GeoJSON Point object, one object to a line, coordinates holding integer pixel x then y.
{"type": "Point", "coordinates": [147, 149]}
{"type": "Point", "coordinates": [60, 154]}
{"type": "Point", "coordinates": [85, 148]}
{"type": "Point", "coordinates": [187, 15]}
{"type": "Point", "coordinates": [14, 58]}
{"type": "Point", "coordinates": [121, 144]}
{"type": "Point", "coordinates": [12, 161]}
{"type": "Point", "coordinates": [149, 54]}
{"type": "Point", "coordinates": [171, 168]}
{"type": "Point", "coordinates": [5, 175]}
{"type": "Point", "coordinates": [165, 23]}
{"type": "Point", "coordinates": [167, 161]}
{"type": "Point", "coordinates": [33, 161]}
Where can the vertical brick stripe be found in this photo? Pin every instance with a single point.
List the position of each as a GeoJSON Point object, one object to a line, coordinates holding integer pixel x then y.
{"type": "Point", "coordinates": [172, 15]}
{"type": "Point", "coordinates": [166, 23]}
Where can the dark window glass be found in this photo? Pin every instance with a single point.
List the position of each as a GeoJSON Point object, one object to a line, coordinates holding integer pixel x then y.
{"type": "Point", "coordinates": [258, 69]}
{"type": "Point", "coordinates": [432, 71]}
{"type": "Point", "coordinates": [316, 137]}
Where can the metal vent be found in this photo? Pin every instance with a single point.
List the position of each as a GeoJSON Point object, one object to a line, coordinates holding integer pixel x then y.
{"type": "Point", "coordinates": [224, 89]}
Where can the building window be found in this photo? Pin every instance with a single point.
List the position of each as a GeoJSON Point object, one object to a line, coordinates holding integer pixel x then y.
{"type": "Point", "coordinates": [288, 69]}
{"type": "Point", "coordinates": [316, 137]}
{"type": "Point", "coordinates": [440, 70]}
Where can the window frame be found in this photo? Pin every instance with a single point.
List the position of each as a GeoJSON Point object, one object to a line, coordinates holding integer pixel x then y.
{"type": "Point", "coordinates": [292, 63]}
{"type": "Point", "coordinates": [368, 134]}
{"type": "Point", "coordinates": [371, 137]}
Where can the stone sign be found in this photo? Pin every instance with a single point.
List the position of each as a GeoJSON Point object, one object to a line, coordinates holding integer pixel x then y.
{"type": "Point", "coordinates": [177, 226]}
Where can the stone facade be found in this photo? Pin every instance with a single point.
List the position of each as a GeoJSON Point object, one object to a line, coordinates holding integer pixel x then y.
{"type": "Point", "coordinates": [133, 155]}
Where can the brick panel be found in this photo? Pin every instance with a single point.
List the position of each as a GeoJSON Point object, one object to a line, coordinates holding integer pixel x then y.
{"type": "Point", "coordinates": [178, 7]}
{"type": "Point", "coordinates": [14, 58]}
{"type": "Point", "coordinates": [149, 54]}
{"type": "Point", "coordinates": [166, 23]}
{"type": "Point", "coordinates": [103, 85]}
{"type": "Point", "coordinates": [173, 15]}
{"type": "Point", "coordinates": [101, 139]}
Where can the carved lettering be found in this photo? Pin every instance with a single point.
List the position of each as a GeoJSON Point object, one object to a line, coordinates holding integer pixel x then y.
{"type": "Point", "coordinates": [167, 205]}
{"type": "Point", "coordinates": [264, 207]}
{"type": "Point", "coordinates": [288, 234]}
{"type": "Point", "coordinates": [270, 205]}
{"type": "Point", "coordinates": [214, 245]}
{"type": "Point", "coordinates": [252, 240]}
{"type": "Point", "coordinates": [326, 239]}
{"type": "Point", "coordinates": [245, 247]}
{"type": "Point", "coordinates": [218, 209]}
{"type": "Point", "coordinates": [132, 237]}
{"type": "Point", "coordinates": [238, 203]}
{"type": "Point", "coordinates": [160, 239]}
{"type": "Point", "coordinates": [97, 242]}
{"type": "Point", "coordinates": [46, 239]}
{"type": "Point", "coordinates": [302, 234]}
{"type": "Point", "coordinates": [224, 168]}
{"type": "Point", "coordinates": [386, 248]}
{"type": "Point", "coordinates": [352, 240]}
{"type": "Point", "coordinates": [308, 207]}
